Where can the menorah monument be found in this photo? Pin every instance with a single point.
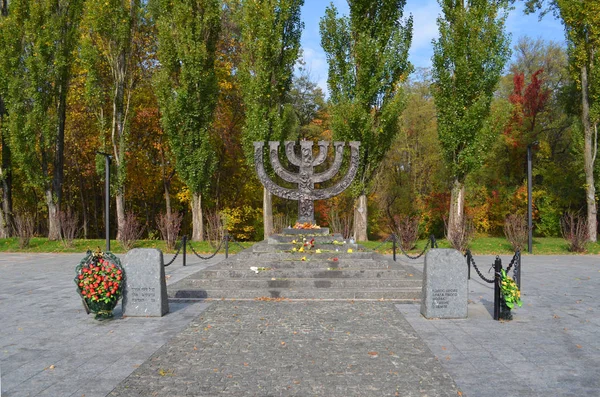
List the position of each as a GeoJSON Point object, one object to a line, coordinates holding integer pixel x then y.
{"type": "Point", "coordinates": [306, 177]}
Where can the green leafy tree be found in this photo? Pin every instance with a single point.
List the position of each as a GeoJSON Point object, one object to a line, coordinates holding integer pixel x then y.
{"type": "Point", "coordinates": [582, 27]}
{"type": "Point", "coordinates": [110, 53]}
{"type": "Point", "coordinates": [188, 32]}
{"type": "Point", "coordinates": [367, 53]}
{"type": "Point", "coordinates": [271, 32]}
{"type": "Point", "coordinates": [468, 59]}
{"type": "Point", "coordinates": [45, 33]}
{"type": "Point", "coordinates": [5, 168]}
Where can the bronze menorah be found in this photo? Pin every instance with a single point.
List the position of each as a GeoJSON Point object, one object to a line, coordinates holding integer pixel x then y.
{"type": "Point", "coordinates": [306, 177]}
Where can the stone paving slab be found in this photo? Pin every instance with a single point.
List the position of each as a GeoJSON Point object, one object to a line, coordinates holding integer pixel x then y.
{"type": "Point", "coordinates": [551, 348]}
{"type": "Point", "coordinates": [50, 347]}
{"type": "Point", "coordinates": [293, 349]}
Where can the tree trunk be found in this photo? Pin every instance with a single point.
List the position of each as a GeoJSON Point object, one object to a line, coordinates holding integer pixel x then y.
{"type": "Point", "coordinates": [167, 198]}
{"type": "Point", "coordinates": [360, 219]}
{"type": "Point", "coordinates": [267, 213]}
{"type": "Point", "coordinates": [589, 157]}
{"type": "Point", "coordinates": [53, 222]}
{"type": "Point", "coordinates": [6, 227]}
{"type": "Point", "coordinates": [120, 201]}
{"type": "Point", "coordinates": [197, 221]}
{"type": "Point", "coordinates": [457, 212]}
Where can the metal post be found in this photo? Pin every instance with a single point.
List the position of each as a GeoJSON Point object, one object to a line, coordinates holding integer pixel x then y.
{"type": "Point", "coordinates": [184, 242]}
{"type": "Point", "coordinates": [517, 272]}
{"type": "Point", "coordinates": [529, 220]}
{"type": "Point", "coordinates": [469, 263]}
{"type": "Point", "coordinates": [107, 158]}
{"type": "Point", "coordinates": [394, 246]}
{"type": "Point", "coordinates": [497, 269]}
{"type": "Point", "coordinates": [226, 236]}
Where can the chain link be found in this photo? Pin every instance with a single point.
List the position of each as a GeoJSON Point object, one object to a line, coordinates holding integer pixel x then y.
{"type": "Point", "coordinates": [414, 257]}
{"type": "Point", "coordinates": [470, 258]}
{"type": "Point", "coordinates": [209, 257]}
{"type": "Point", "coordinates": [175, 257]}
{"type": "Point", "coordinates": [513, 261]}
{"type": "Point", "coordinates": [231, 239]}
{"type": "Point", "coordinates": [383, 242]}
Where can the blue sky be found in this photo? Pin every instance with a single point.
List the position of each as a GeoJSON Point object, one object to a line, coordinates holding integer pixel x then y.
{"type": "Point", "coordinates": [424, 14]}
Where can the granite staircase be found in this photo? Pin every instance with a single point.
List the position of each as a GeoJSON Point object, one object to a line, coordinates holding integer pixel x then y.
{"type": "Point", "coordinates": [330, 274]}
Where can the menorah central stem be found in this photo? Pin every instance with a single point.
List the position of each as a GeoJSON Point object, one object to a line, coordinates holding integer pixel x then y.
{"type": "Point", "coordinates": [306, 177]}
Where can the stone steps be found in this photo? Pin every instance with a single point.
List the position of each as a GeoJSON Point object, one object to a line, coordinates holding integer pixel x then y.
{"type": "Point", "coordinates": [404, 295]}
{"type": "Point", "coordinates": [311, 263]}
{"type": "Point", "coordinates": [297, 283]}
{"type": "Point", "coordinates": [360, 275]}
{"type": "Point", "coordinates": [304, 273]}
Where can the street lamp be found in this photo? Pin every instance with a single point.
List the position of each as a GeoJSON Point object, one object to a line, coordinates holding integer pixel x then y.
{"type": "Point", "coordinates": [529, 183]}
{"type": "Point", "coordinates": [107, 157]}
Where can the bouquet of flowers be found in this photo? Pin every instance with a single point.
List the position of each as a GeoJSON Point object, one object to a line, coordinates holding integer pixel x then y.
{"type": "Point", "coordinates": [100, 280]}
{"type": "Point", "coordinates": [510, 291]}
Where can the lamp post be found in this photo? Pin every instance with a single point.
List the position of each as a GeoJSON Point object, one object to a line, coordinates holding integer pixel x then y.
{"type": "Point", "coordinates": [529, 210]}
{"type": "Point", "coordinates": [107, 157]}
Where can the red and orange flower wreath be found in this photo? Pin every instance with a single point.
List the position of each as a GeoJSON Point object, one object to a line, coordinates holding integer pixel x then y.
{"type": "Point", "coordinates": [100, 280]}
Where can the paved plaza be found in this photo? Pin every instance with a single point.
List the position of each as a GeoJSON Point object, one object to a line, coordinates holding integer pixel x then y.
{"type": "Point", "coordinates": [50, 347]}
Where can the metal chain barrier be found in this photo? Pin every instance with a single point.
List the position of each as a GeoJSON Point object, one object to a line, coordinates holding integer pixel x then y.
{"type": "Point", "coordinates": [384, 241]}
{"type": "Point", "coordinates": [209, 257]}
{"type": "Point", "coordinates": [513, 261]}
{"type": "Point", "coordinates": [177, 253]}
{"type": "Point", "coordinates": [231, 239]}
{"type": "Point", "coordinates": [471, 261]}
{"type": "Point", "coordinates": [418, 256]}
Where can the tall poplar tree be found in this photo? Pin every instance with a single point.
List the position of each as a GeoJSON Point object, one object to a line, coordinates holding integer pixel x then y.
{"type": "Point", "coordinates": [581, 19]}
{"type": "Point", "coordinates": [271, 32]}
{"type": "Point", "coordinates": [46, 34]}
{"type": "Point", "coordinates": [109, 55]}
{"type": "Point", "coordinates": [468, 60]}
{"type": "Point", "coordinates": [5, 166]}
{"type": "Point", "coordinates": [367, 54]}
{"type": "Point", "coordinates": [188, 31]}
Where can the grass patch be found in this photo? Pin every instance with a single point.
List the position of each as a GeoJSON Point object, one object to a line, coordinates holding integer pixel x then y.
{"type": "Point", "coordinates": [494, 246]}
{"type": "Point", "coordinates": [42, 244]}
{"type": "Point", "coordinates": [479, 246]}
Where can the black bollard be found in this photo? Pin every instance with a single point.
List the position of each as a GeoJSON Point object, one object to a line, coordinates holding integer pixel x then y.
{"type": "Point", "coordinates": [394, 246]}
{"type": "Point", "coordinates": [226, 237]}
{"type": "Point", "coordinates": [517, 271]}
{"type": "Point", "coordinates": [184, 242]}
{"type": "Point", "coordinates": [469, 258]}
{"type": "Point", "coordinates": [497, 269]}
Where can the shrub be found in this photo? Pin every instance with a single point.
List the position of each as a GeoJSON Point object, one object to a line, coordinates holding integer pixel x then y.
{"type": "Point", "coordinates": [169, 226]}
{"type": "Point", "coordinates": [407, 229]}
{"type": "Point", "coordinates": [516, 231]}
{"type": "Point", "coordinates": [130, 231]}
{"type": "Point", "coordinates": [69, 225]}
{"type": "Point", "coordinates": [24, 227]}
{"type": "Point", "coordinates": [460, 239]}
{"type": "Point", "coordinates": [215, 232]}
{"type": "Point", "coordinates": [280, 222]}
{"type": "Point", "coordinates": [342, 224]}
{"type": "Point", "coordinates": [574, 229]}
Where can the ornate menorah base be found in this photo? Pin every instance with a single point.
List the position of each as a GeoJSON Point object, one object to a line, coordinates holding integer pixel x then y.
{"type": "Point", "coordinates": [324, 231]}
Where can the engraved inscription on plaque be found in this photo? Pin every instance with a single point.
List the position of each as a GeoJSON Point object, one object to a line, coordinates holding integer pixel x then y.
{"type": "Point", "coordinates": [142, 295]}
{"type": "Point", "coordinates": [442, 297]}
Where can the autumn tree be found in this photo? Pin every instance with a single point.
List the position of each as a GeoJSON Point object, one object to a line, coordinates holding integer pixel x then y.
{"type": "Point", "coordinates": [188, 32]}
{"type": "Point", "coordinates": [110, 53]}
{"type": "Point", "coordinates": [582, 28]}
{"type": "Point", "coordinates": [46, 35]}
{"type": "Point", "coordinates": [271, 32]}
{"type": "Point", "coordinates": [367, 53]}
{"type": "Point", "coordinates": [468, 59]}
